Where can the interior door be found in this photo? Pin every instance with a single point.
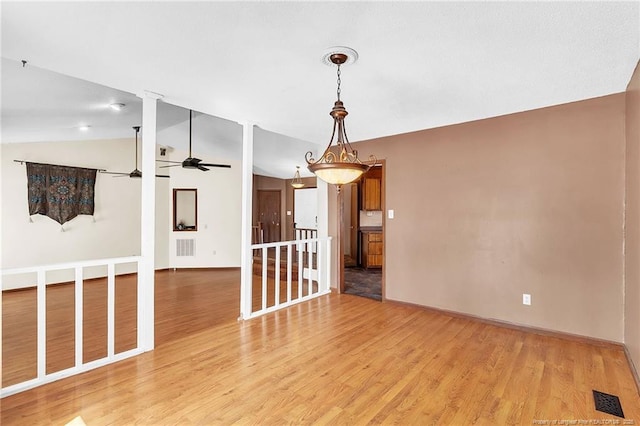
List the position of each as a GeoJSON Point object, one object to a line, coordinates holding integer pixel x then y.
{"type": "Point", "coordinates": [269, 214]}
{"type": "Point", "coordinates": [305, 208]}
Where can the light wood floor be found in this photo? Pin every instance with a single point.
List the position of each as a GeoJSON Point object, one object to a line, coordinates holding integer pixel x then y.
{"type": "Point", "coordinates": [339, 359]}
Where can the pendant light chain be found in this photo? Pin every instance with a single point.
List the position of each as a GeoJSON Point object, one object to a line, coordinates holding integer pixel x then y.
{"type": "Point", "coordinates": [339, 81]}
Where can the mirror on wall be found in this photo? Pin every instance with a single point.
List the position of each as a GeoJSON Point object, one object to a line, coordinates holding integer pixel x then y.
{"type": "Point", "coordinates": [185, 209]}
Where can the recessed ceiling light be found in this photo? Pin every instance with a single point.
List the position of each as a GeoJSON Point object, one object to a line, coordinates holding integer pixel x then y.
{"type": "Point", "coordinates": [117, 106]}
{"type": "Point", "coordinates": [84, 128]}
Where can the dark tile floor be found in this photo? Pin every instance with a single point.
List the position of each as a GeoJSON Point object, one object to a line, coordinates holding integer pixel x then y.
{"type": "Point", "coordinates": [363, 282]}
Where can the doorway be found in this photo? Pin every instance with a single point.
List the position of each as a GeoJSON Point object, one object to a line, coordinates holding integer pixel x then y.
{"type": "Point", "coordinates": [269, 206]}
{"type": "Point", "coordinates": [363, 236]}
{"type": "Point", "coordinates": [305, 209]}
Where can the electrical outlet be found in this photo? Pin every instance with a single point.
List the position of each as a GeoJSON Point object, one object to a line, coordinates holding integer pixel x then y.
{"type": "Point", "coordinates": [214, 252]}
{"type": "Point", "coordinates": [526, 299]}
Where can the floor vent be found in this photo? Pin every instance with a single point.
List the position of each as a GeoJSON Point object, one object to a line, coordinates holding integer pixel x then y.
{"type": "Point", "coordinates": [609, 404]}
{"type": "Point", "coordinates": [186, 247]}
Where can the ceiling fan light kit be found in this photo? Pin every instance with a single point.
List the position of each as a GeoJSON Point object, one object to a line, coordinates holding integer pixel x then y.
{"type": "Point", "coordinates": [339, 164]}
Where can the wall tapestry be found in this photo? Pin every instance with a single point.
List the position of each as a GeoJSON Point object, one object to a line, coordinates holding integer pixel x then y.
{"type": "Point", "coordinates": [60, 192]}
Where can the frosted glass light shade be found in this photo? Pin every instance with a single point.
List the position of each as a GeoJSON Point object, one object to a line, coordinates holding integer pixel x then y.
{"type": "Point", "coordinates": [338, 173]}
{"type": "Point", "coordinates": [297, 180]}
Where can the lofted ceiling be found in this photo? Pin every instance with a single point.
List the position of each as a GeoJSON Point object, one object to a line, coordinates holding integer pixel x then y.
{"type": "Point", "coordinates": [44, 106]}
{"type": "Point", "coordinates": [421, 65]}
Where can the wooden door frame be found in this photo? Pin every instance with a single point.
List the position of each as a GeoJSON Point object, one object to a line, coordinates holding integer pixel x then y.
{"type": "Point", "coordinates": [384, 220]}
{"type": "Point", "coordinates": [355, 221]}
{"type": "Point", "coordinates": [340, 218]}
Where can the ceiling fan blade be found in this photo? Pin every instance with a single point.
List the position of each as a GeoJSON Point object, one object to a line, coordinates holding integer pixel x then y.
{"type": "Point", "coordinates": [226, 166]}
{"type": "Point", "coordinates": [171, 165]}
{"type": "Point", "coordinates": [204, 169]}
{"type": "Point", "coordinates": [169, 161]}
{"type": "Point", "coordinates": [115, 173]}
{"type": "Point", "coordinates": [119, 175]}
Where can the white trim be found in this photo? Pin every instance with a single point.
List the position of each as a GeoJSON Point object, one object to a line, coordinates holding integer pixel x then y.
{"type": "Point", "coordinates": [70, 265]}
{"type": "Point", "coordinates": [297, 243]}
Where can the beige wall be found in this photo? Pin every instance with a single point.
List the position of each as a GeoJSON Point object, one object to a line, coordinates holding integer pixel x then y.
{"type": "Point", "coordinates": [219, 202]}
{"type": "Point", "coordinates": [632, 228]}
{"type": "Point", "coordinates": [525, 203]}
{"type": "Point", "coordinates": [115, 231]}
{"type": "Point", "coordinates": [217, 244]}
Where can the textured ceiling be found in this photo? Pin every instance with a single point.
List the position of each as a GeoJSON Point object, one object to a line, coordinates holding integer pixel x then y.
{"type": "Point", "coordinates": [421, 65]}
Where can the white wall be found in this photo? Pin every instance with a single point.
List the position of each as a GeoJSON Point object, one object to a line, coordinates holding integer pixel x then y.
{"type": "Point", "coordinates": [116, 229]}
{"type": "Point", "coordinates": [163, 221]}
{"type": "Point", "coordinates": [217, 240]}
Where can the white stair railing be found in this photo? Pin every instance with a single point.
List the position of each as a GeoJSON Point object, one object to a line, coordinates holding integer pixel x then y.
{"type": "Point", "coordinates": [80, 366]}
{"type": "Point", "coordinates": [289, 272]}
{"type": "Point", "coordinates": [305, 234]}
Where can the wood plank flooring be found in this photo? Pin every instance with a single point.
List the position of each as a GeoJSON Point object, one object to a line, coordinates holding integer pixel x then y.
{"type": "Point", "coordinates": [339, 359]}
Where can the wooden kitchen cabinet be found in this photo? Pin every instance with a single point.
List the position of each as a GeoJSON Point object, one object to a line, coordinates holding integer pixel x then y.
{"type": "Point", "coordinates": [371, 189]}
{"type": "Point", "coordinates": [372, 249]}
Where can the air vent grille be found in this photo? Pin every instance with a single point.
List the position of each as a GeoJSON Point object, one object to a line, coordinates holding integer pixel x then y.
{"type": "Point", "coordinates": [186, 247]}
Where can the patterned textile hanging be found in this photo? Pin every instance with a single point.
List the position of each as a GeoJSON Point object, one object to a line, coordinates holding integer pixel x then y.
{"type": "Point", "coordinates": [60, 192]}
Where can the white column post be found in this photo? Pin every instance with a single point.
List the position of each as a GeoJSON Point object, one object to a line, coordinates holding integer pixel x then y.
{"type": "Point", "coordinates": [146, 282]}
{"type": "Point", "coordinates": [246, 271]}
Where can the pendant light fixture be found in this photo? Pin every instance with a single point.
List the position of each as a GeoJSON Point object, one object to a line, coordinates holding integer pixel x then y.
{"type": "Point", "coordinates": [339, 164]}
{"type": "Point", "coordinates": [297, 180]}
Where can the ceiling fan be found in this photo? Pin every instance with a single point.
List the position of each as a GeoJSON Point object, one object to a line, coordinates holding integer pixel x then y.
{"type": "Point", "coordinates": [135, 173]}
{"type": "Point", "coordinates": [191, 162]}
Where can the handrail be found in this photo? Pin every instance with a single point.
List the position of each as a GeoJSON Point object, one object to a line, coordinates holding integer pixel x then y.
{"type": "Point", "coordinates": [70, 265]}
{"type": "Point", "coordinates": [42, 376]}
{"type": "Point", "coordinates": [285, 243]}
{"type": "Point", "coordinates": [313, 272]}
